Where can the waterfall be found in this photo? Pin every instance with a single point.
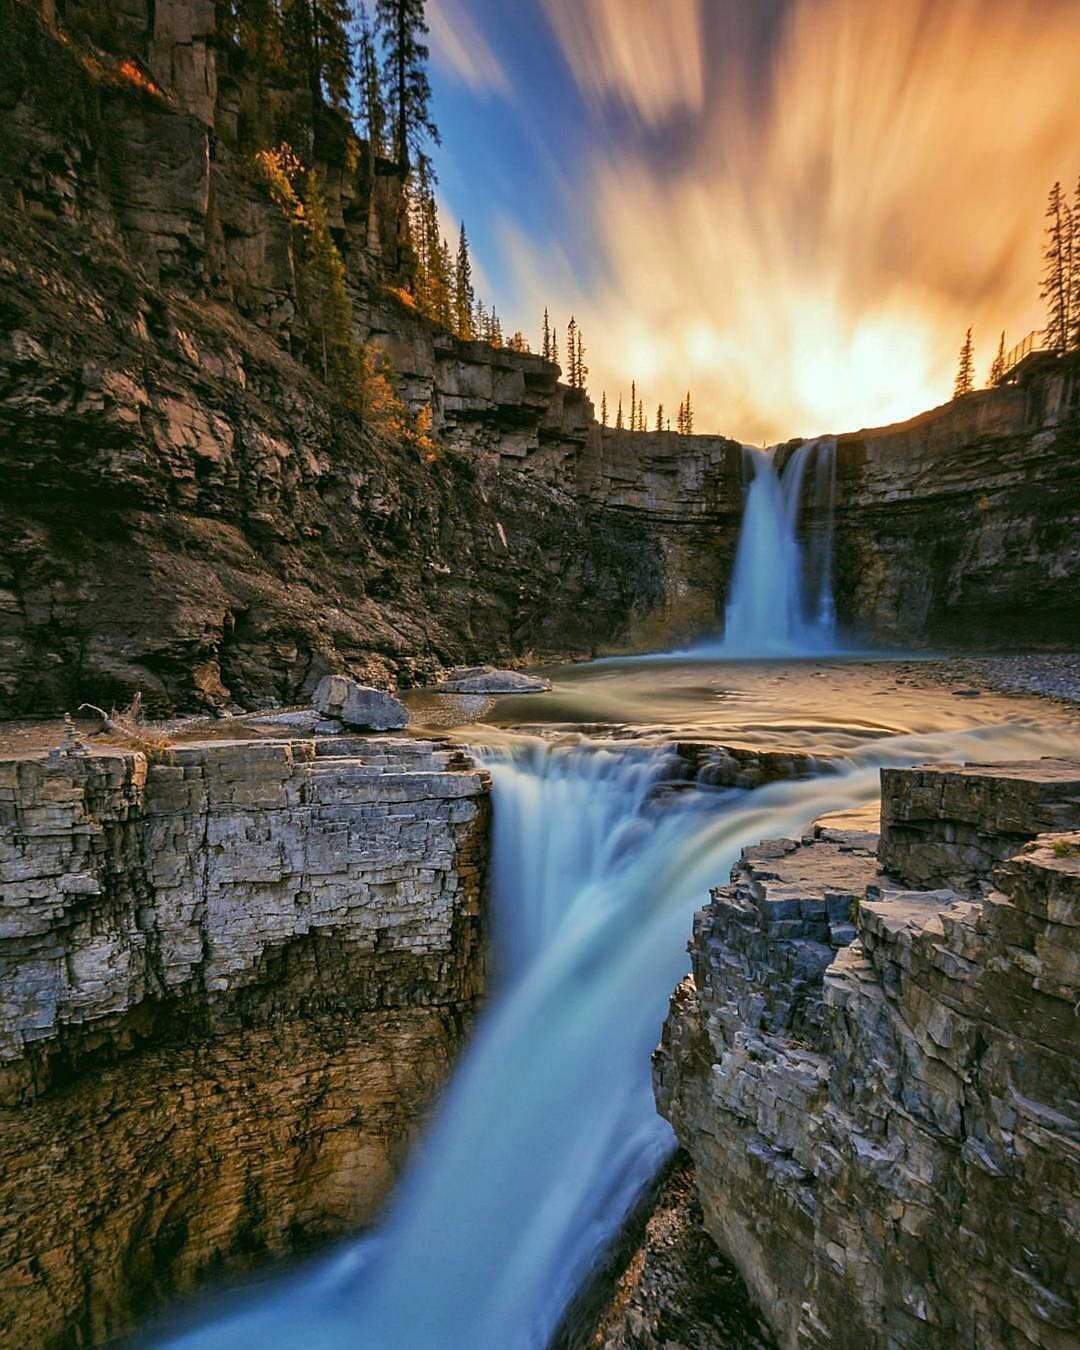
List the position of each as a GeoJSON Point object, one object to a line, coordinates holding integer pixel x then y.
{"type": "Point", "coordinates": [781, 598]}
{"type": "Point", "coordinates": [548, 1133]}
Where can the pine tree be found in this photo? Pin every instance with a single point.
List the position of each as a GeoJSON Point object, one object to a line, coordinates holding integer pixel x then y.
{"type": "Point", "coordinates": [1074, 288]}
{"type": "Point", "coordinates": [372, 108]}
{"type": "Point", "coordinates": [518, 343]}
{"type": "Point", "coordinates": [464, 298]}
{"type": "Point", "coordinates": [633, 405]}
{"type": "Point", "coordinates": [403, 28]}
{"type": "Point", "coordinates": [582, 368]}
{"type": "Point", "coordinates": [571, 353]}
{"type": "Point", "coordinates": [641, 415]}
{"type": "Point", "coordinates": [554, 348]}
{"type": "Point", "coordinates": [659, 417]}
{"type": "Point", "coordinates": [965, 373]}
{"type": "Point", "coordinates": [317, 48]}
{"type": "Point", "coordinates": [619, 416]}
{"type": "Point", "coordinates": [603, 408]}
{"type": "Point", "coordinates": [480, 321]}
{"type": "Point", "coordinates": [545, 345]}
{"type": "Point", "coordinates": [688, 415]}
{"type": "Point", "coordinates": [1057, 276]}
{"type": "Point", "coordinates": [327, 305]}
{"type": "Point", "coordinates": [680, 420]}
{"type": "Point", "coordinates": [997, 366]}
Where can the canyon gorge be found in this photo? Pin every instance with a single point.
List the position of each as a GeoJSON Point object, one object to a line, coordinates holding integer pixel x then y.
{"type": "Point", "coordinates": [318, 1034]}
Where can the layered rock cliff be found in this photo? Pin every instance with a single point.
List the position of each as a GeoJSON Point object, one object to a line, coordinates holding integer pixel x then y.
{"type": "Point", "coordinates": [878, 1086]}
{"type": "Point", "coordinates": [233, 982]}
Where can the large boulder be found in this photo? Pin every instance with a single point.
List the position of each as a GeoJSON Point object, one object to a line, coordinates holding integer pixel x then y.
{"type": "Point", "coordinates": [489, 680]}
{"type": "Point", "coordinates": [358, 706]}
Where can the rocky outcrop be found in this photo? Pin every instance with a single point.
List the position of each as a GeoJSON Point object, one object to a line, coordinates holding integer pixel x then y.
{"type": "Point", "coordinates": [488, 680]}
{"type": "Point", "coordinates": [233, 980]}
{"type": "Point", "coordinates": [878, 1086]}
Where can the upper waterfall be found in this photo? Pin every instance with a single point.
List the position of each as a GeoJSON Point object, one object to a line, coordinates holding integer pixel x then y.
{"type": "Point", "coordinates": [781, 597]}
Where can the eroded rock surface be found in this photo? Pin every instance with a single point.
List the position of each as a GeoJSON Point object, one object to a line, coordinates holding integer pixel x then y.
{"type": "Point", "coordinates": [879, 1086]}
{"type": "Point", "coordinates": [232, 983]}
{"type": "Point", "coordinates": [489, 680]}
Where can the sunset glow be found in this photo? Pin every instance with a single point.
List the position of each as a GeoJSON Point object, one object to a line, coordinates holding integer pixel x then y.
{"type": "Point", "coordinates": [796, 208]}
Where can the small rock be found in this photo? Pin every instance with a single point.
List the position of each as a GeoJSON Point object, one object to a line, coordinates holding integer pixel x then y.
{"type": "Point", "coordinates": [966, 691]}
{"type": "Point", "coordinates": [298, 719]}
{"type": "Point", "coordinates": [329, 726]}
{"type": "Point", "coordinates": [489, 680]}
{"type": "Point", "coordinates": [342, 699]}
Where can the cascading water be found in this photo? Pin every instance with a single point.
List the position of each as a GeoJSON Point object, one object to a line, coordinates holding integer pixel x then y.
{"type": "Point", "coordinates": [548, 1132]}
{"type": "Point", "coordinates": [781, 599]}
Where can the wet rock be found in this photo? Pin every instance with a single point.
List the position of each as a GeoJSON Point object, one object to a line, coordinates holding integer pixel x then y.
{"type": "Point", "coordinates": [489, 680]}
{"type": "Point", "coordinates": [341, 699]}
{"type": "Point", "coordinates": [882, 1133]}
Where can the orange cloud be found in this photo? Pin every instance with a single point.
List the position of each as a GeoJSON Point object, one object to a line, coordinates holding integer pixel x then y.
{"type": "Point", "coordinates": [812, 263]}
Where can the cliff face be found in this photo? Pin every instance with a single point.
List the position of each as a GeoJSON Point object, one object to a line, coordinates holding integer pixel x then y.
{"type": "Point", "coordinates": [879, 1086]}
{"type": "Point", "coordinates": [232, 985]}
{"type": "Point", "coordinates": [186, 510]}
{"type": "Point", "coordinates": [962, 527]}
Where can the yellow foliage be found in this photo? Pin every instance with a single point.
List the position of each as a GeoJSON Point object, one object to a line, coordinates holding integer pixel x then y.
{"type": "Point", "coordinates": [280, 170]}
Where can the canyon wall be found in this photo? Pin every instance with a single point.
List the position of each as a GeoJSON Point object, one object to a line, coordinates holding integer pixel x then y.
{"type": "Point", "coordinates": [233, 982]}
{"type": "Point", "coordinates": [879, 1086]}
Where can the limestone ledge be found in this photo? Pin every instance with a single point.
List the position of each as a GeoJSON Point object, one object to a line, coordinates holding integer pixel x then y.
{"type": "Point", "coordinates": [879, 1086]}
{"type": "Point", "coordinates": [237, 881]}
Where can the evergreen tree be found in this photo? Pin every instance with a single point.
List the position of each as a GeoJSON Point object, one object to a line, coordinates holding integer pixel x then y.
{"type": "Point", "coordinates": [680, 420]}
{"type": "Point", "coordinates": [633, 405]}
{"type": "Point", "coordinates": [641, 415]}
{"type": "Point", "coordinates": [1074, 288]}
{"type": "Point", "coordinates": [603, 409]}
{"type": "Point", "coordinates": [372, 109]}
{"type": "Point", "coordinates": [545, 342]}
{"type": "Point", "coordinates": [464, 297]}
{"type": "Point", "coordinates": [1058, 274]}
{"type": "Point", "coordinates": [619, 416]}
{"type": "Point", "coordinates": [688, 415]}
{"type": "Point", "coordinates": [480, 321]}
{"type": "Point", "coordinates": [965, 372]}
{"type": "Point", "coordinates": [315, 37]}
{"type": "Point", "coordinates": [326, 302]}
{"type": "Point", "coordinates": [582, 368]}
{"type": "Point", "coordinates": [554, 348]}
{"type": "Point", "coordinates": [518, 343]}
{"type": "Point", "coordinates": [255, 26]}
{"type": "Point", "coordinates": [403, 28]}
{"type": "Point", "coordinates": [997, 366]}
{"type": "Point", "coordinates": [571, 353]}
{"type": "Point", "coordinates": [659, 417]}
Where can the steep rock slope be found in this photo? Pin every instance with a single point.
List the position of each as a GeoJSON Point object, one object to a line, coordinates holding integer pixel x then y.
{"type": "Point", "coordinates": [233, 983]}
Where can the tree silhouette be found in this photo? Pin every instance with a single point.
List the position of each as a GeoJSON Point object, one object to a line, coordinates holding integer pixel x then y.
{"type": "Point", "coordinates": [659, 417]}
{"type": "Point", "coordinates": [315, 39]}
{"type": "Point", "coordinates": [633, 405]}
{"type": "Point", "coordinates": [579, 361]}
{"type": "Point", "coordinates": [965, 372]}
{"type": "Point", "coordinates": [403, 28]}
{"type": "Point", "coordinates": [619, 416]}
{"type": "Point", "coordinates": [1074, 287]}
{"type": "Point", "coordinates": [571, 353]}
{"type": "Point", "coordinates": [545, 341]}
{"type": "Point", "coordinates": [1057, 276]}
{"type": "Point", "coordinates": [464, 297]}
{"type": "Point", "coordinates": [997, 366]}
{"type": "Point", "coordinates": [372, 107]}
{"type": "Point", "coordinates": [603, 408]}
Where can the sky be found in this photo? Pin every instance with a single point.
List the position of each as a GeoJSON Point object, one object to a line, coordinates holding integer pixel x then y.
{"type": "Point", "coordinates": [795, 208]}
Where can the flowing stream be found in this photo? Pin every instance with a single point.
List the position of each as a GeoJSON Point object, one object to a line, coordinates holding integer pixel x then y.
{"type": "Point", "coordinates": [548, 1132]}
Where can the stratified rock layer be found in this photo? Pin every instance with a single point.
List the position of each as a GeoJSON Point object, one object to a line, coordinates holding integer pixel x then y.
{"type": "Point", "coordinates": [884, 1130]}
{"type": "Point", "coordinates": [232, 984]}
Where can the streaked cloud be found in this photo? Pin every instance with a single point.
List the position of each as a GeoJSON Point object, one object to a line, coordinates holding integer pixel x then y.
{"type": "Point", "coordinates": [811, 261]}
{"type": "Point", "coordinates": [460, 48]}
{"type": "Point", "coordinates": [645, 54]}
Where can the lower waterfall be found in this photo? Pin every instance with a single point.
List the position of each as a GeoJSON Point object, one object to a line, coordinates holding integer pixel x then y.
{"type": "Point", "coordinates": [548, 1132]}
